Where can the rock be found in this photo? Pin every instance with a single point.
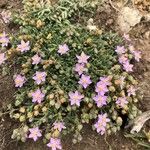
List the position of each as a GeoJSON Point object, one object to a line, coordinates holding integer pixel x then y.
{"type": "Point", "coordinates": [147, 35]}
{"type": "Point", "coordinates": [147, 17]}
{"type": "Point", "coordinates": [128, 18]}
{"type": "Point", "coordinates": [139, 121]}
{"type": "Point", "coordinates": [3, 3]}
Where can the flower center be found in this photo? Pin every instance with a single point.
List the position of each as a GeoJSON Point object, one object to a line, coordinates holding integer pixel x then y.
{"type": "Point", "coordinates": [39, 77]}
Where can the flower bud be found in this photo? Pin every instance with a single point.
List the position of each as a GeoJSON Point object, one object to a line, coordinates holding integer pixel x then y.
{"type": "Point", "coordinates": [16, 116]}
{"type": "Point", "coordinates": [57, 66]}
{"type": "Point", "coordinates": [36, 107]}
{"type": "Point", "coordinates": [114, 117]}
{"type": "Point", "coordinates": [108, 99]}
{"type": "Point", "coordinates": [126, 108]}
{"type": "Point", "coordinates": [25, 128]}
{"type": "Point", "coordinates": [48, 136]}
{"type": "Point", "coordinates": [54, 77]}
{"type": "Point", "coordinates": [23, 139]}
{"type": "Point", "coordinates": [134, 108]}
{"type": "Point", "coordinates": [89, 41]}
{"type": "Point", "coordinates": [44, 109]}
{"type": "Point", "coordinates": [22, 118]}
{"type": "Point", "coordinates": [53, 82]}
{"type": "Point", "coordinates": [112, 89]}
{"type": "Point", "coordinates": [123, 112]}
{"type": "Point", "coordinates": [45, 66]}
{"type": "Point", "coordinates": [80, 126]}
{"type": "Point", "coordinates": [49, 36]}
{"type": "Point", "coordinates": [131, 116]}
{"type": "Point", "coordinates": [88, 65]}
{"type": "Point", "coordinates": [130, 56]}
{"type": "Point", "coordinates": [29, 114]}
{"type": "Point", "coordinates": [36, 113]}
{"type": "Point", "coordinates": [124, 74]}
{"type": "Point", "coordinates": [68, 108]}
{"type": "Point", "coordinates": [22, 110]}
{"type": "Point", "coordinates": [109, 132]}
{"type": "Point", "coordinates": [56, 134]}
{"type": "Point", "coordinates": [122, 93]}
{"type": "Point", "coordinates": [74, 141]}
{"type": "Point", "coordinates": [39, 24]}
{"type": "Point", "coordinates": [30, 94]}
{"type": "Point", "coordinates": [107, 126]}
{"type": "Point", "coordinates": [86, 99]}
{"type": "Point", "coordinates": [117, 67]}
{"type": "Point", "coordinates": [135, 100]}
{"type": "Point", "coordinates": [114, 129]}
{"type": "Point", "coordinates": [114, 98]}
{"type": "Point", "coordinates": [57, 105]}
{"type": "Point", "coordinates": [51, 96]}
{"type": "Point", "coordinates": [98, 32]}
{"type": "Point", "coordinates": [130, 78]}
{"type": "Point", "coordinates": [74, 45]}
{"type": "Point", "coordinates": [24, 71]}
{"type": "Point", "coordinates": [52, 102]}
{"type": "Point", "coordinates": [139, 112]}
{"type": "Point", "coordinates": [119, 121]}
{"type": "Point", "coordinates": [117, 82]}
{"type": "Point", "coordinates": [90, 105]}
{"type": "Point", "coordinates": [134, 82]}
{"type": "Point", "coordinates": [61, 92]}
{"type": "Point", "coordinates": [62, 100]}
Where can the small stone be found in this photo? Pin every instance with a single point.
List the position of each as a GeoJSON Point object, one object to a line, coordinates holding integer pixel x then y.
{"type": "Point", "coordinates": [128, 18]}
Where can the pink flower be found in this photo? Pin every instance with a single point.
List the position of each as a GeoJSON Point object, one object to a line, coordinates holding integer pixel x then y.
{"type": "Point", "coordinates": [54, 144]}
{"type": "Point", "coordinates": [100, 100]}
{"type": "Point", "coordinates": [63, 49]}
{"type": "Point", "coordinates": [131, 91]}
{"type": "Point", "coordinates": [101, 88]}
{"type": "Point", "coordinates": [83, 58]}
{"type": "Point", "coordinates": [123, 59]}
{"type": "Point", "coordinates": [127, 66]}
{"type": "Point", "coordinates": [24, 46]}
{"type": "Point", "coordinates": [85, 81]}
{"type": "Point", "coordinates": [6, 15]}
{"type": "Point", "coordinates": [100, 125]}
{"type": "Point", "coordinates": [4, 40]}
{"type": "Point", "coordinates": [105, 80]}
{"type": "Point", "coordinates": [79, 68]}
{"type": "Point", "coordinates": [37, 96]}
{"type": "Point", "coordinates": [137, 55]}
{"type": "Point", "coordinates": [120, 50]}
{"type": "Point", "coordinates": [75, 98]}
{"type": "Point", "coordinates": [35, 133]}
{"type": "Point", "coordinates": [2, 58]}
{"type": "Point", "coordinates": [59, 126]}
{"type": "Point", "coordinates": [36, 59]}
{"type": "Point", "coordinates": [121, 101]}
{"type": "Point", "coordinates": [19, 80]}
{"type": "Point", "coordinates": [39, 77]}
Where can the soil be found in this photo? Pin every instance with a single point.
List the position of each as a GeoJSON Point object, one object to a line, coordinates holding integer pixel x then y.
{"type": "Point", "coordinates": [106, 18]}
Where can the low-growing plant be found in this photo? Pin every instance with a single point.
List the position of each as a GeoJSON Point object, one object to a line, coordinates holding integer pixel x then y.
{"type": "Point", "coordinates": [68, 74]}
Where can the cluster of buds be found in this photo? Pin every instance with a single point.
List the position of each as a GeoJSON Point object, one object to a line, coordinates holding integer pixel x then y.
{"type": "Point", "coordinates": [20, 133]}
